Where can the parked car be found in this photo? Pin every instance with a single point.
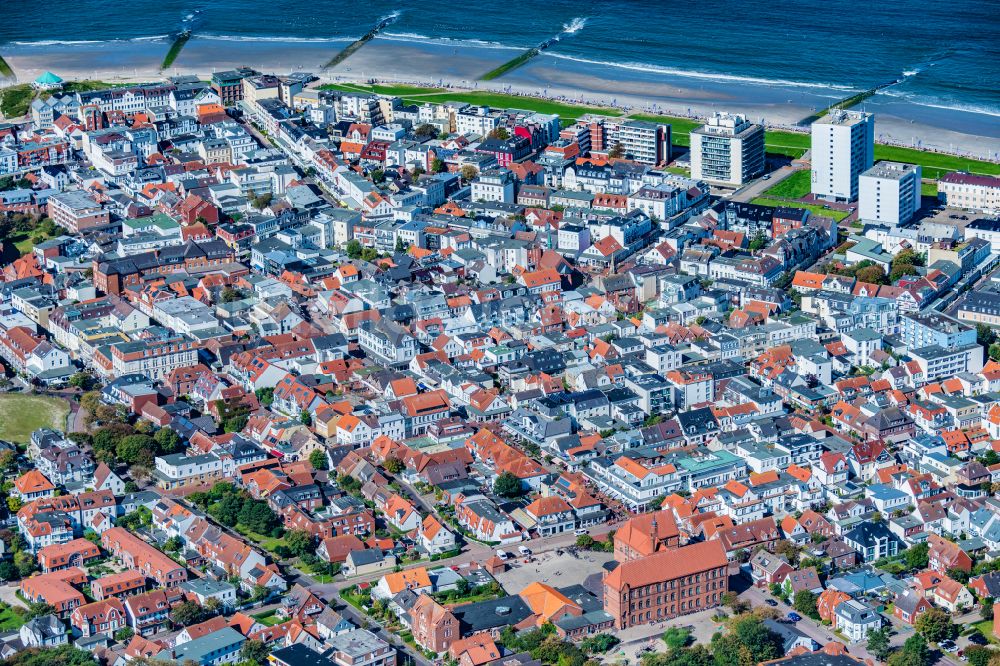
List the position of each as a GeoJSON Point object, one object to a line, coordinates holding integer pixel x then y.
{"type": "Point", "coordinates": [502, 554]}
{"type": "Point", "coordinates": [793, 617]}
{"type": "Point", "coordinates": [580, 532]}
{"type": "Point", "coordinates": [770, 602]}
{"type": "Point", "coordinates": [524, 550]}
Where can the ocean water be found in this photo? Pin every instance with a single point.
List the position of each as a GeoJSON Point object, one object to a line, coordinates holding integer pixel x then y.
{"type": "Point", "coordinates": [946, 53]}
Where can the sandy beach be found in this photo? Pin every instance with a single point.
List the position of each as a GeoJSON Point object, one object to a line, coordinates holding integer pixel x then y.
{"type": "Point", "coordinates": [459, 64]}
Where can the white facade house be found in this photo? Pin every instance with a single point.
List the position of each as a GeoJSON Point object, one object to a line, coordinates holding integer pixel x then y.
{"type": "Point", "coordinates": [494, 185]}
{"type": "Point", "coordinates": [843, 146]}
{"type": "Point", "coordinates": [965, 190]}
{"type": "Point", "coordinates": [728, 149]}
{"type": "Point", "coordinates": [889, 192]}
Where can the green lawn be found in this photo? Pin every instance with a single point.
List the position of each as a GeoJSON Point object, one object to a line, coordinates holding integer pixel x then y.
{"type": "Point", "coordinates": [268, 543]}
{"type": "Point", "coordinates": [268, 619]}
{"type": "Point", "coordinates": [9, 620]}
{"type": "Point", "coordinates": [936, 165]}
{"type": "Point", "coordinates": [21, 415]}
{"type": "Point", "coordinates": [986, 627]}
{"type": "Point", "coordinates": [795, 186]}
{"type": "Point", "coordinates": [815, 208]}
{"type": "Point", "coordinates": [416, 95]}
{"type": "Point", "coordinates": [15, 101]}
{"type": "Point", "coordinates": [928, 189]}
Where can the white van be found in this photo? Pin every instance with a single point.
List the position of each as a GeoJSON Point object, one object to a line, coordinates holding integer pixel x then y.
{"type": "Point", "coordinates": [525, 551]}
{"type": "Point", "coordinates": [502, 554]}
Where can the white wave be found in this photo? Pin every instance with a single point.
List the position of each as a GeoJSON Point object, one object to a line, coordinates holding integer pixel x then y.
{"type": "Point", "coordinates": [78, 42]}
{"type": "Point", "coordinates": [272, 38]}
{"type": "Point", "coordinates": [656, 69]}
{"type": "Point", "coordinates": [445, 41]}
{"type": "Point", "coordinates": [939, 104]}
{"type": "Point", "coordinates": [391, 16]}
{"type": "Point", "coordinates": [911, 72]}
{"type": "Point", "coordinates": [576, 25]}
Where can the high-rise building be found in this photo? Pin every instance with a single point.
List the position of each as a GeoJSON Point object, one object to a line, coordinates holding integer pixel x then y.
{"type": "Point", "coordinates": [645, 142]}
{"type": "Point", "coordinates": [728, 149]}
{"type": "Point", "coordinates": [889, 192]}
{"type": "Point", "coordinates": [843, 146]}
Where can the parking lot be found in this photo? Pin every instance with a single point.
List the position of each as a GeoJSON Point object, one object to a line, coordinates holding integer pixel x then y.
{"type": "Point", "coordinates": [552, 569]}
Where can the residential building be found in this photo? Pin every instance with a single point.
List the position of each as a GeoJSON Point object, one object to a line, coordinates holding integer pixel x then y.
{"type": "Point", "coordinates": [842, 148]}
{"type": "Point", "coordinates": [727, 150]}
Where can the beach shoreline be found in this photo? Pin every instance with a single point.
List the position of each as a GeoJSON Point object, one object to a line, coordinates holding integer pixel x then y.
{"type": "Point", "coordinates": [457, 66]}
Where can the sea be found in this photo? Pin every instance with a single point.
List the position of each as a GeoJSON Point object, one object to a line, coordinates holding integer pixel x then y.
{"type": "Point", "coordinates": [944, 55]}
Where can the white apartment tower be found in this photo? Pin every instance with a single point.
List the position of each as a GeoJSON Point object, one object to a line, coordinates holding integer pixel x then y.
{"type": "Point", "coordinates": [728, 149]}
{"type": "Point", "coordinates": [889, 192]}
{"type": "Point", "coordinates": [843, 146]}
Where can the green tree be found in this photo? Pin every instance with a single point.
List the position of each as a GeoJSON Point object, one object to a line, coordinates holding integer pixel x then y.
{"type": "Point", "coordinates": [124, 634]}
{"type": "Point", "coordinates": [187, 613]}
{"type": "Point", "coordinates": [305, 418]}
{"type": "Point", "coordinates": [804, 602]}
{"type": "Point", "coordinates": [913, 653]}
{"type": "Point", "coordinates": [599, 643]}
{"type": "Point", "coordinates": [25, 563]}
{"type": "Point", "coordinates": [299, 542]}
{"type": "Point", "coordinates": [353, 248]}
{"type": "Point", "coordinates": [438, 165]}
{"type": "Point", "coordinates": [263, 201]}
{"type": "Point", "coordinates": [759, 241]}
{"type": "Point", "coordinates": [898, 271]}
{"type": "Point", "coordinates": [255, 652]}
{"type": "Point", "coordinates": [979, 655]}
{"type": "Point", "coordinates": [585, 541]}
{"type": "Point", "coordinates": [265, 395]}
{"type": "Point", "coordinates": [995, 351]}
{"type": "Point", "coordinates": [167, 441]}
{"type": "Point", "coordinates": [747, 643]}
{"type": "Point", "coordinates": [393, 465]}
{"type": "Point", "coordinates": [349, 484]}
{"type": "Point", "coordinates": [986, 608]}
{"type": "Point", "coordinates": [230, 295]}
{"type": "Point", "coordinates": [64, 655]}
{"type": "Point", "coordinates": [80, 380]}
{"type": "Point", "coordinates": [507, 485]}
{"type": "Point", "coordinates": [37, 609]}
{"type": "Point", "coordinates": [378, 176]}
{"type": "Point", "coordinates": [878, 643]}
{"type": "Point", "coordinates": [935, 625]}
{"type": "Point", "coordinates": [696, 655]}
{"type": "Point", "coordinates": [676, 637]}
{"type": "Point", "coordinates": [257, 516]}
{"type": "Point", "coordinates": [468, 172]}
{"type": "Point", "coordinates": [916, 556]}
{"type": "Point", "coordinates": [136, 449]}
{"type": "Point", "coordinates": [872, 274]}
{"type": "Point", "coordinates": [173, 544]}
{"type": "Point", "coordinates": [400, 245]}
{"type": "Point", "coordinates": [426, 131]}
{"type": "Point", "coordinates": [318, 459]}
{"type": "Point", "coordinates": [8, 461]}
{"type": "Point", "coordinates": [500, 133]}
{"type": "Point", "coordinates": [617, 151]}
